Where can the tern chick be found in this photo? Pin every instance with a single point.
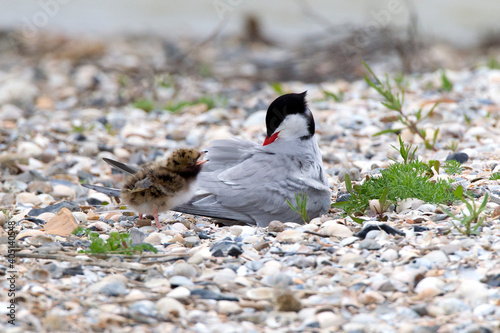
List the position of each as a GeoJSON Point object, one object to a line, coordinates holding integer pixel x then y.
{"type": "Point", "coordinates": [158, 186]}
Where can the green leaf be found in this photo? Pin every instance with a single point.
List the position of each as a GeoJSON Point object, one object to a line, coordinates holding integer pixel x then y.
{"type": "Point", "coordinates": [348, 184]}
{"type": "Point", "coordinates": [459, 192]}
{"type": "Point", "coordinates": [387, 131]}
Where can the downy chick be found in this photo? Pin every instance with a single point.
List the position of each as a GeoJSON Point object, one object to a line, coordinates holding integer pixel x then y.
{"type": "Point", "coordinates": [158, 186]}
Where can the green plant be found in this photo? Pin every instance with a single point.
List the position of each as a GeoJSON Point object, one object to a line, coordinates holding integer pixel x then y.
{"type": "Point", "coordinates": [401, 82]}
{"type": "Point", "coordinates": [495, 176]}
{"type": "Point", "coordinates": [453, 146]}
{"type": "Point", "coordinates": [277, 87]}
{"type": "Point", "coordinates": [470, 221]}
{"type": "Point", "coordinates": [381, 205]}
{"type": "Point", "coordinates": [452, 167]}
{"type": "Point", "coordinates": [301, 208]}
{"type": "Point", "coordinates": [356, 205]}
{"type": "Point", "coordinates": [116, 244]}
{"type": "Point", "coordinates": [144, 104]}
{"type": "Point", "coordinates": [395, 102]}
{"type": "Point", "coordinates": [493, 63]}
{"type": "Point", "coordinates": [337, 97]}
{"type": "Point", "coordinates": [405, 151]}
{"type": "Point", "coordinates": [446, 84]}
{"type": "Point", "coordinates": [209, 101]}
{"type": "Point", "coordinates": [409, 179]}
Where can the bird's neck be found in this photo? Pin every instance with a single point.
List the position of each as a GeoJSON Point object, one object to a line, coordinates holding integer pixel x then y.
{"type": "Point", "coordinates": [191, 172]}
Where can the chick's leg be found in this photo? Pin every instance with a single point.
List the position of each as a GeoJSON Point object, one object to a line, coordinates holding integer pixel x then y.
{"type": "Point", "coordinates": [157, 220]}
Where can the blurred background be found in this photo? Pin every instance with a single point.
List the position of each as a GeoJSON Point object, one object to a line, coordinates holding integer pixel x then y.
{"type": "Point", "coordinates": [311, 41]}
{"type": "Point", "coordinates": [117, 52]}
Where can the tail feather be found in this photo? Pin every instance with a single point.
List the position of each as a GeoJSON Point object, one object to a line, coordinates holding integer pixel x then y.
{"type": "Point", "coordinates": [121, 166]}
{"type": "Point", "coordinates": [112, 192]}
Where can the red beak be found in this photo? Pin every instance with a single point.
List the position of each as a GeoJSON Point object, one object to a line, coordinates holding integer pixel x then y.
{"type": "Point", "coordinates": [270, 139]}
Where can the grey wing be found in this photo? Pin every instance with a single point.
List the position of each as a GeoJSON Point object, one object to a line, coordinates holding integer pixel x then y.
{"type": "Point", "coordinates": [113, 192]}
{"type": "Point", "coordinates": [121, 166]}
{"type": "Point", "coordinates": [259, 186]}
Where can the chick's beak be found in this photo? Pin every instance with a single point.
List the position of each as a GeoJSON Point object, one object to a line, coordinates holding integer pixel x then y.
{"type": "Point", "coordinates": [201, 162]}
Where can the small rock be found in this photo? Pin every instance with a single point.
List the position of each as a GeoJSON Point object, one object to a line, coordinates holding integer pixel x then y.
{"type": "Point", "coordinates": [344, 197]}
{"type": "Point", "coordinates": [178, 280]}
{"type": "Point", "coordinates": [369, 244]}
{"type": "Point", "coordinates": [63, 191]}
{"type": "Point", "coordinates": [289, 236]}
{"type": "Point", "coordinates": [350, 258]}
{"type": "Point", "coordinates": [452, 305]}
{"type": "Point", "coordinates": [228, 308]}
{"type": "Point", "coordinates": [389, 255]}
{"type": "Point", "coordinates": [11, 112]}
{"type": "Point", "coordinates": [38, 186]}
{"type": "Point", "coordinates": [430, 286]}
{"type": "Point", "coordinates": [184, 269]}
{"type": "Point", "coordinates": [328, 319]}
{"type": "Point", "coordinates": [143, 308]}
{"type": "Point", "coordinates": [410, 203]}
{"type": "Point", "coordinates": [436, 256]}
{"type": "Point", "coordinates": [137, 236]}
{"type": "Point", "coordinates": [80, 217]}
{"type": "Point", "coordinates": [459, 157]}
{"type": "Point", "coordinates": [28, 198]}
{"type": "Point", "coordinates": [179, 293]}
{"type": "Point", "coordinates": [332, 228]}
{"type": "Point", "coordinates": [484, 310]}
{"type": "Point", "coordinates": [277, 280]}
{"type": "Point", "coordinates": [224, 276]}
{"type": "Point", "coordinates": [29, 149]}
{"type": "Point", "coordinates": [226, 248]}
{"type": "Point", "coordinates": [275, 226]}
{"type": "Point", "coordinates": [260, 293]}
{"type": "Point", "coordinates": [114, 288]}
{"type": "Point", "coordinates": [169, 307]}
{"type": "Point", "coordinates": [427, 208]}
{"type": "Point", "coordinates": [62, 224]}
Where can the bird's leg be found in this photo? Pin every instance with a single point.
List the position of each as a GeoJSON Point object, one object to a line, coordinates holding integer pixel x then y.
{"type": "Point", "coordinates": [157, 220]}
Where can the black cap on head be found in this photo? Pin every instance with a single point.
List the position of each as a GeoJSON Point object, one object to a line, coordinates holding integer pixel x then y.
{"type": "Point", "coordinates": [284, 106]}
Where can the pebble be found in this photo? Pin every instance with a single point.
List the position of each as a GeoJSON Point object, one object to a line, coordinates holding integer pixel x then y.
{"type": "Point", "coordinates": [228, 308]}
{"type": "Point", "coordinates": [114, 288]}
{"type": "Point", "coordinates": [179, 293]}
{"type": "Point", "coordinates": [28, 198]}
{"type": "Point", "coordinates": [350, 258]}
{"type": "Point", "coordinates": [29, 149]}
{"type": "Point", "coordinates": [63, 191]}
{"type": "Point", "coordinates": [184, 269]}
{"type": "Point", "coordinates": [436, 256]}
{"type": "Point", "coordinates": [332, 228]}
{"type": "Point", "coordinates": [178, 280]}
{"type": "Point", "coordinates": [389, 255]}
{"type": "Point", "coordinates": [459, 157]}
{"type": "Point", "coordinates": [275, 226]}
{"type": "Point", "coordinates": [224, 276]}
{"type": "Point", "coordinates": [170, 308]}
{"type": "Point", "coordinates": [289, 236]}
{"type": "Point", "coordinates": [430, 286]}
{"type": "Point", "coordinates": [369, 244]}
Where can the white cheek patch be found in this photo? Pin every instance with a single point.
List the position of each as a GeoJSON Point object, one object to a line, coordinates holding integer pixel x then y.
{"type": "Point", "coordinates": [292, 127]}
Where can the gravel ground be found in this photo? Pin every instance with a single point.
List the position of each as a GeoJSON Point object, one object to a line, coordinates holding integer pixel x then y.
{"type": "Point", "coordinates": [61, 112]}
